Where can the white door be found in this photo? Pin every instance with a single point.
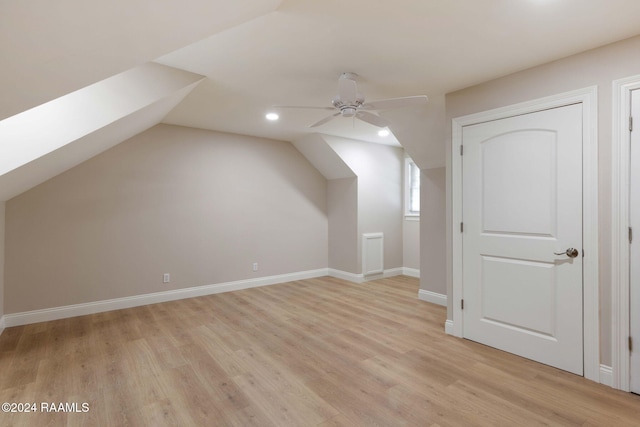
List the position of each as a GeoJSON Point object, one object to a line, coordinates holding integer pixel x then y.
{"type": "Point", "coordinates": [522, 214]}
{"type": "Point", "coordinates": [634, 249]}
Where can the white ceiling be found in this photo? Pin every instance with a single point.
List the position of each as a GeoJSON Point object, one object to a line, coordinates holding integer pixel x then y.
{"type": "Point", "coordinates": [258, 53]}
{"type": "Point", "coordinates": [50, 48]}
{"type": "Point", "coordinates": [294, 55]}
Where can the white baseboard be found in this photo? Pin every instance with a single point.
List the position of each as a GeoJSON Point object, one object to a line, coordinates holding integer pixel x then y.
{"type": "Point", "coordinates": [392, 272]}
{"type": "Point", "coordinates": [55, 313]}
{"type": "Point", "coordinates": [606, 375]}
{"type": "Point", "coordinates": [411, 272]}
{"type": "Point", "coordinates": [345, 275]}
{"type": "Point", "coordinates": [361, 278]}
{"type": "Point", "coordinates": [448, 327]}
{"type": "Point", "coordinates": [432, 297]}
{"type": "Point", "coordinates": [44, 315]}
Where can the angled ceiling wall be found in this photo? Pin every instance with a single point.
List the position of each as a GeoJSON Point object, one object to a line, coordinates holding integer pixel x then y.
{"type": "Point", "coordinates": [364, 193]}
{"type": "Point", "coordinates": [46, 140]}
{"type": "Point", "coordinates": [421, 132]}
{"type": "Point", "coordinates": [57, 47]}
{"type": "Point", "coordinates": [79, 77]}
{"type": "Point", "coordinates": [316, 149]}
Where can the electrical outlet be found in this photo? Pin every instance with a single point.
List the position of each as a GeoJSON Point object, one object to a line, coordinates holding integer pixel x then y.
{"type": "Point", "coordinates": [166, 278]}
{"type": "Point", "coordinates": [255, 266]}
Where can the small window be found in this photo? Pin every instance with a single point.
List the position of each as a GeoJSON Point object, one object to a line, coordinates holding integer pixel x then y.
{"type": "Point", "coordinates": [412, 189]}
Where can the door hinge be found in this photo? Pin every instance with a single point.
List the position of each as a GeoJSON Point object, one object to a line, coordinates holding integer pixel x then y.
{"type": "Point", "coordinates": [461, 150]}
{"type": "Point", "coordinates": [630, 344]}
{"type": "Point", "coordinates": [462, 227]}
{"type": "Point", "coordinates": [630, 234]}
{"type": "Point", "coordinates": [462, 306]}
{"type": "Point", "coordinates": [630, 123]}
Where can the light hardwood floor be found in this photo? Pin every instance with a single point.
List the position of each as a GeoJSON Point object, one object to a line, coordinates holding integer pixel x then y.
{"type": "Point", "coordinates": [320, 352]}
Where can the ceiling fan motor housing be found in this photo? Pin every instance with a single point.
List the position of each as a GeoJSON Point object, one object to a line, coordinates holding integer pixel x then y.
{"type": "Point", "coordinates": [348, 107]}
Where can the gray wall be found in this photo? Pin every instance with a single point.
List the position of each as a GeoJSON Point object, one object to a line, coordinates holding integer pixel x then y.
{"type": "Point", "coordinates": [423, 134]}
{"type": "Point", "coordinates": [200, 205]}
{"type": "Point", "coordinates": [411, 244]}
{"type": "Point", "coordinates": [342, 204]}
{"type": "Point", "coordinates": [380, 203]}
{"type": "Point", "coordinates": [595, 67]}
{"type": "Point", "coordinates": [433, 233]}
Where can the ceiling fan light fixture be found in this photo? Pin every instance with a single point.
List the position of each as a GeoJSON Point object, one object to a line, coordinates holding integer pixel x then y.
{"type": "Point", "coordinates": [348, 111]}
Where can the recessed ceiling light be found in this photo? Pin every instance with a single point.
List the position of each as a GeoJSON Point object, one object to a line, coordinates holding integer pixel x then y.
{"type": "Point", "coordinates": [272, 116]}
{"type": "Point", "coordinates": [384, 132]}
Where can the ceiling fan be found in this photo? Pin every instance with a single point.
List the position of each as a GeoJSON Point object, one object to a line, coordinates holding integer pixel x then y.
{"type": "Point", "coordinates": [350, 103]}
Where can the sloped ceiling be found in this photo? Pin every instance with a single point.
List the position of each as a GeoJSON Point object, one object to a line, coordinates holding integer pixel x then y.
{"type": "Point", "coordinates": [257, 53]}
{"type": "Point", "coordinates": [51, 48]}
{"type": "Point", "coordinates": [79, 78]}
{"type": "Point", "coordinates": [324, 158]}
{"type": "Point", "coordinates": [294, 55]}
{"type": "Point", "coordinates": [84, 123]}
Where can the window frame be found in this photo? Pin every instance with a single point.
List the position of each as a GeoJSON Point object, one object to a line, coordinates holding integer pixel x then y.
{"type": "Point", "coordinates": [409, 164]}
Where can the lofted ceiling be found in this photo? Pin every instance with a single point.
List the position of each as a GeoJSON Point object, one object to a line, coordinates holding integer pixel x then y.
{"type": "Point", "coordinates": [51, 48]}
{"type": "Point", "coordinates": [294, 55]}
{"type": "Point", "coordinates": [258, 53]}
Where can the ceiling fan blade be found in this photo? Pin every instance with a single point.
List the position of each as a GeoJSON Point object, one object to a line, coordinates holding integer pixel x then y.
{"type": "Point", "coordinates": [347, 88]}
{"type": "Point", "coordinates": [391, 103]}
{"type": "Point", "coordinates": [325, 120]}
{"type": "Point", "coordinates": [305, 107]}
{"type": "Point", "coordinates": [372, 119]}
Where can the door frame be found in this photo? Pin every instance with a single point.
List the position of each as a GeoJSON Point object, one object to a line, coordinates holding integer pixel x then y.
{"type": "Point", "coordinates": [588, 97]}
{"type": "Point", "coordinates": [620, 280]}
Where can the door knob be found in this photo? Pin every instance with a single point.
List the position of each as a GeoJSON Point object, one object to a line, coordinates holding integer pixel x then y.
{"type": "Point", "coordinates": [571, 253]}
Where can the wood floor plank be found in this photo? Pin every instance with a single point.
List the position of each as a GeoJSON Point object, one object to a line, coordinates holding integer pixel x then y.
{"type": "Point", "coordinates": [318, 352]}
{"type": "Point", "coordinates": [277, 406]}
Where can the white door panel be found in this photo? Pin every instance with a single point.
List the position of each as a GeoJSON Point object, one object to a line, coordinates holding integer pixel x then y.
{"type": "Point", "coordinates": [517, 170]}
{"type": "Point", "coordinates": [634, 249]}
{"type": "Point", "coordinates": [502, 302]}
{"type": "Point", "coordinates": [522, 202]}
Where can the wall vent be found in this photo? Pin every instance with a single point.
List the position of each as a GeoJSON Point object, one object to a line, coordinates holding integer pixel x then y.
{"type": "Point", "coordinates": [372, 253]}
